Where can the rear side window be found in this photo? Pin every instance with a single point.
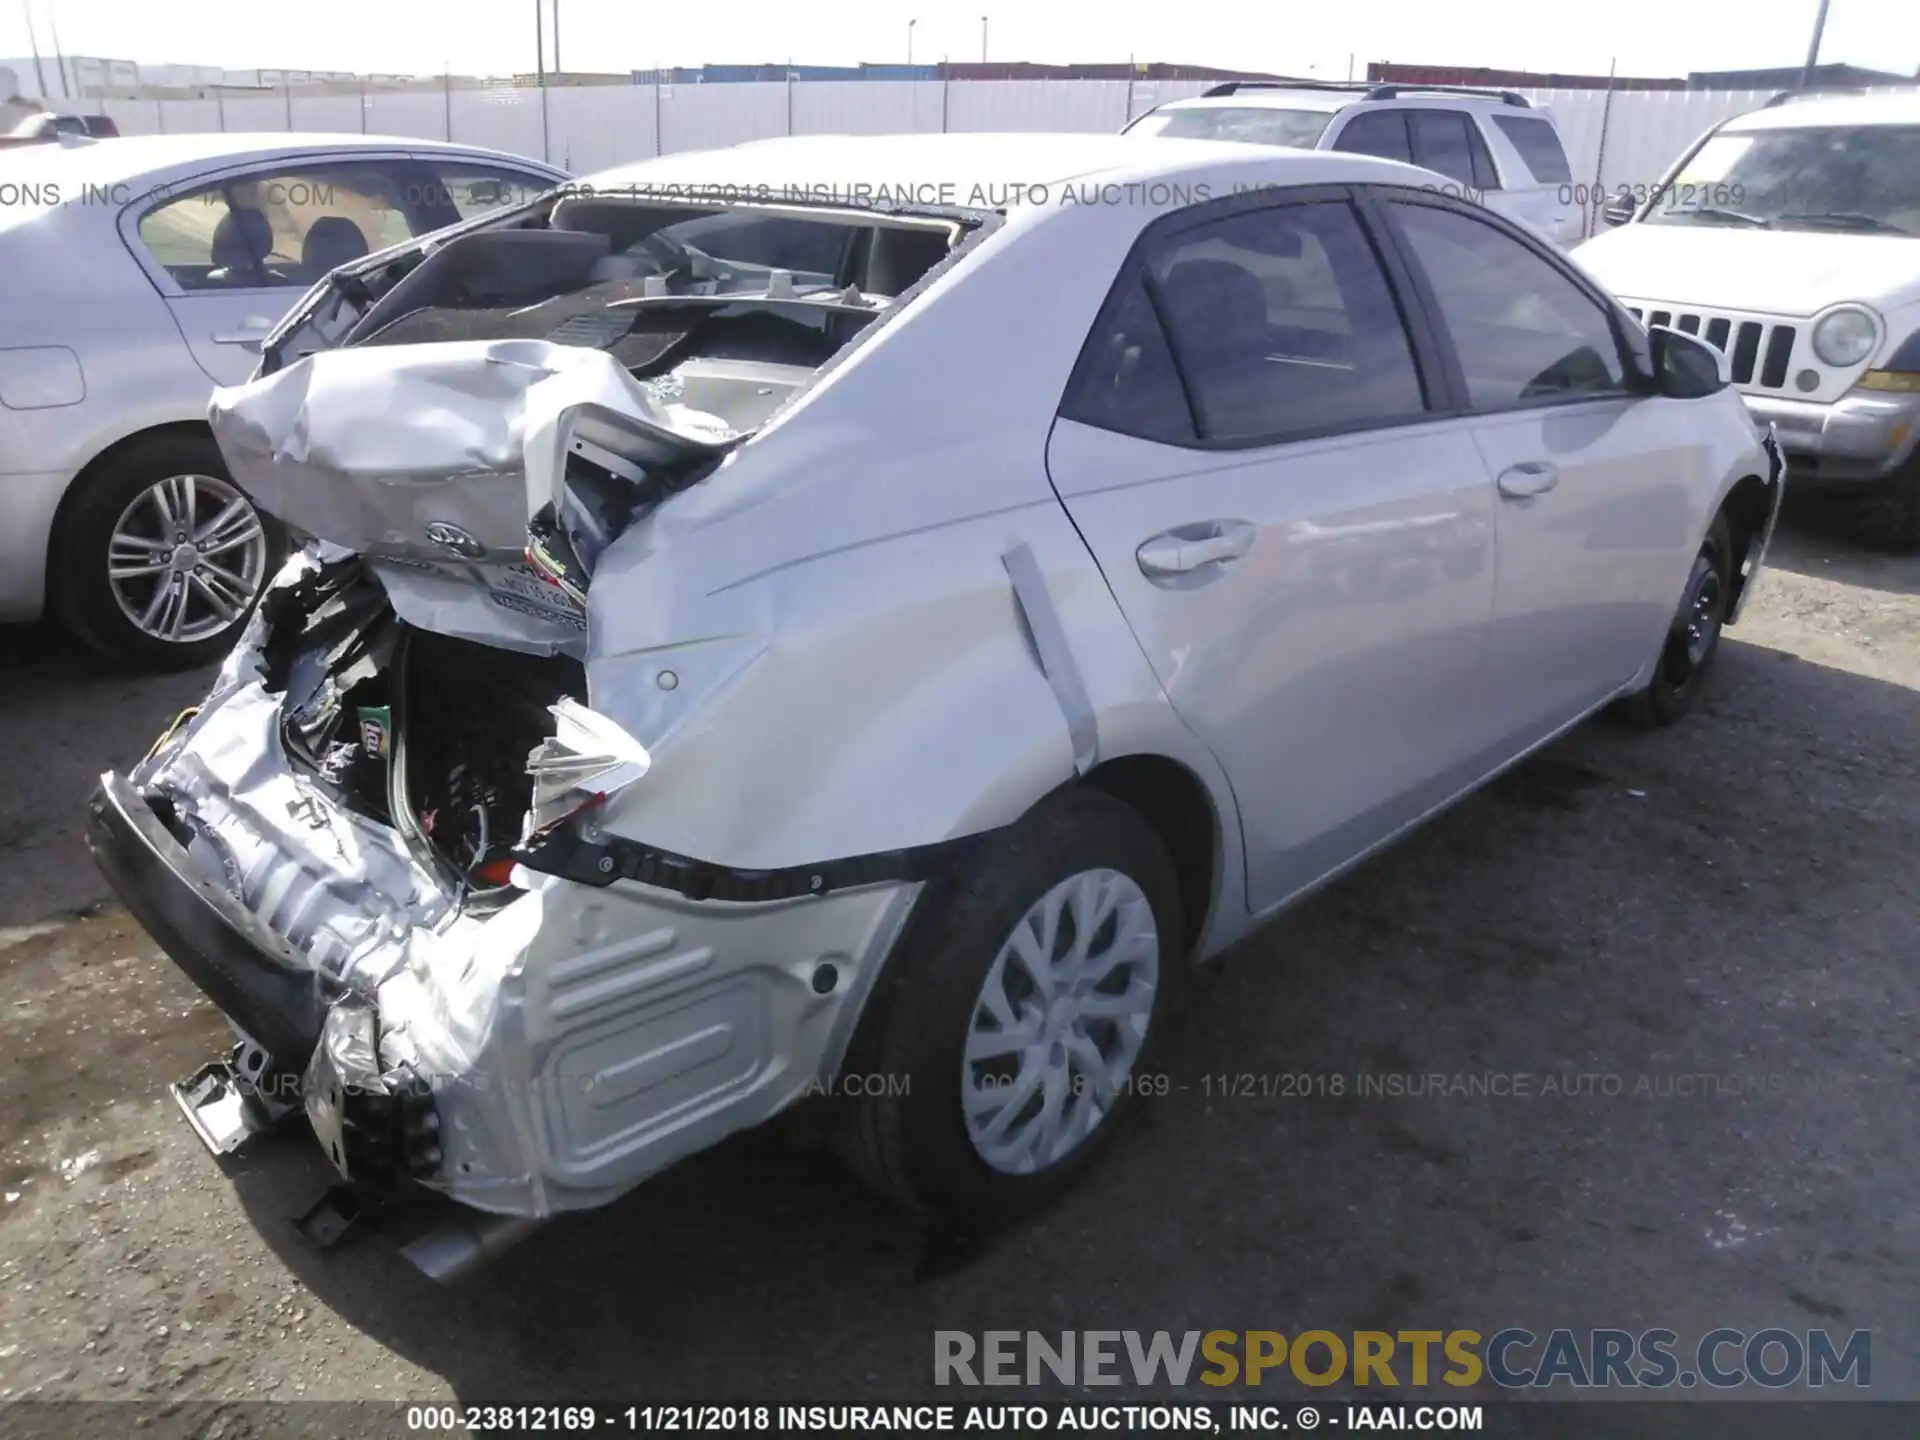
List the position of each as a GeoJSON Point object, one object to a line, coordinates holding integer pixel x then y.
{"type": "Point", "coordinates": [1281, 323]}
{"type": "Point", "coordinates": [1126, 380]}
{"type": "Point", "coordinates": [1539, 145]}
{"type": "Point", "coordinates": [282, 228]}
{"type": "Point", "coordinates": [1377, 132]}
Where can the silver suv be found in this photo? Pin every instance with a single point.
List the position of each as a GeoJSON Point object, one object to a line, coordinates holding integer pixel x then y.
{"type": "Point", "coordinates": [1496, 146]}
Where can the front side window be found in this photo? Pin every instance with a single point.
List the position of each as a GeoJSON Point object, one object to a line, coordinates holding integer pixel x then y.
{"type": "Point", "coordinates": [1249, 124]}
{"type": "Point", "coordinates": [1377, 132]}
{"type": "Point", "coordinates": [1857, 178]}
{"type": "Point", "coordinates": [1280, 323]}
{"type": "Point", "coordinates": [284, 228]}
{"type": "Point", "coordinates": [1523, 330]}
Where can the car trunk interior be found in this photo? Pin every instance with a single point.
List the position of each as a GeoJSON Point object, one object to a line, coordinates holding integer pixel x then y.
{"type": "Point", "coordinates": [417, 731]}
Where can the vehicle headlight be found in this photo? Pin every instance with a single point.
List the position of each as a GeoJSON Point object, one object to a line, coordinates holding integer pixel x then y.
{"type": "Point", "coordinates": [1846, 337]}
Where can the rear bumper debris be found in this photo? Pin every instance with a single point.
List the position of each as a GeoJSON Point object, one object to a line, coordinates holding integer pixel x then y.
{"type": "Point", "coordinates": [543, 1054]}
{"type": "Point", "coordinates": [267, 989]}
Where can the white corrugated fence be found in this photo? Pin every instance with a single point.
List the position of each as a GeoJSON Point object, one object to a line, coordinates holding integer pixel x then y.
{"type": "Point", "coordinates": [588, 128]}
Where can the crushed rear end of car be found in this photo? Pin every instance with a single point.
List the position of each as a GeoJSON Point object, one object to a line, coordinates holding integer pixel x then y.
{"type": "Point", "coordinates": [388, 843]}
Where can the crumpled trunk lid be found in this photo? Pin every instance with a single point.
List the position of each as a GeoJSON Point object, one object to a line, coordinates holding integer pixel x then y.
{"type": "Point", "coordinates": [431, 460]}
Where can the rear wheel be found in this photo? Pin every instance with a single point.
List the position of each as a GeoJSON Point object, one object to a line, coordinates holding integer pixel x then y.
{"type": "Point", "coordinates": [159, 557]}
{"type": "Point", "coordinates": [1020, 1015]}
{"type": "Point", "coordinates": [1693, 638]}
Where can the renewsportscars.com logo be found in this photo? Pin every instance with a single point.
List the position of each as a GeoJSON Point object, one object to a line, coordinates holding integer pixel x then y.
{"type": "Point", "coordinates": [1513, 1358]}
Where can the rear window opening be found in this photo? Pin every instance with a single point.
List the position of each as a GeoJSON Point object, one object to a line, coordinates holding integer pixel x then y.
{"type": "Point", "coordinates": [636, 279]}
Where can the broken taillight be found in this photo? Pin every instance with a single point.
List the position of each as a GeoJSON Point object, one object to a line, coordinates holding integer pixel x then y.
{"type": "Point", "coordinates": [587, 760]}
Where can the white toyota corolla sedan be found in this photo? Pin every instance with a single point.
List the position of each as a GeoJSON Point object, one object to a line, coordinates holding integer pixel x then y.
{"type": "Point", "coordinates": [864, 616]}
{"type": "Point", "coordinates": [135, 275]}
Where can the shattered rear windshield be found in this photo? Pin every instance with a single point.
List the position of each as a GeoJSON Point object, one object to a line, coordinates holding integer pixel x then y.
{"type": "Point", "coordinates": [605, 272]}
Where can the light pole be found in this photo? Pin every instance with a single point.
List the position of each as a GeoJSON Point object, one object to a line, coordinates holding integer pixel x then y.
{"type": "Point", "coordinates": [540, 68]}
{"type": "Point", "coordinates": [910, 25]}
{"type": "Point", "coordinates": [983, 39]}
{"type": "Point", "coordinates": [1813, 49]}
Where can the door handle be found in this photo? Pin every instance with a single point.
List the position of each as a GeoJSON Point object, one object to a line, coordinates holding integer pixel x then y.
{"type": "Point", "coordinates": [1188, 548]}
{"type": "Point", "coordinates": [1528, 478]}
{"type": "Point", "coordinates": [251, 332]}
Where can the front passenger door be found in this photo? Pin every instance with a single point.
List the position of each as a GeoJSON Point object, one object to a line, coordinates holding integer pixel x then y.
{"type": "Point", "coordinates": [1302, 549]}
{"type": "Point", "coordinates": [1594, 524]}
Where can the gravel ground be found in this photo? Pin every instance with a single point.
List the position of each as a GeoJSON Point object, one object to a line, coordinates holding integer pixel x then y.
{"type": "Point", "coordinates": [1732, 898]}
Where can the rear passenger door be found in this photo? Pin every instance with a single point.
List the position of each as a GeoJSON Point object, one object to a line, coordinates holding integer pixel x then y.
{"type": "Point", "coordinates": [232, 254]}
{"type": "Point", "coordinates": [1594, 520]}
{"type": "Point", "coordinates": [1301, 546]}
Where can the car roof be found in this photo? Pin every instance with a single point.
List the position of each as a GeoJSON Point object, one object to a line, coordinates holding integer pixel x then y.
{"type": "Point", "coordinates": [131, 158]}
{"type": "Point", "coordinates": [976, 171]}
{"type": "Point", "coordinates": [1883, 107]}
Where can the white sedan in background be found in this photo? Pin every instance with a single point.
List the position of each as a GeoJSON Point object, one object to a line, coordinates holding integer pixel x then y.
{"type": "Point", "coordinates": [135, 275]}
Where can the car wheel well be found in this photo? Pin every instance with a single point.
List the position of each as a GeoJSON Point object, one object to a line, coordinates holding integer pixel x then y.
{"type": "Point", "coordinates": [1175, 802]}
{"type": "Point", "coordinates": [63, 513]}
{"type": "Point", "coordinates": [1745, 509]}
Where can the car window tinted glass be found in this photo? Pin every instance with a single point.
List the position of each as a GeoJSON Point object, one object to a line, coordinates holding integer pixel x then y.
{"type": "Point", "coordinates": [1440, 143]}
{"type": "Point", "coordinates": [1539, 146]}
{"type": "Point", "coordinates": [1283, 324]}
{"type": "Point", "coordinates": [1251, 125]}
{"type": "Point", "coordinates": [287, 228]}
{"type": "Point", "coordinates": [1523, 330]}
{"type": "Point", "coordinates": [1126, 380]}
{"type": "Point", "coordinates": [470, 190]}
{"type": "Point", "coordinates": [1377, 132]}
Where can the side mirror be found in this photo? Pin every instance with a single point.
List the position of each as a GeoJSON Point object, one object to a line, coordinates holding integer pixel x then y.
{"type": "Point", "coordinates": [1617, 211]}
{"type": "Point", "coordinates": [1685, 367]}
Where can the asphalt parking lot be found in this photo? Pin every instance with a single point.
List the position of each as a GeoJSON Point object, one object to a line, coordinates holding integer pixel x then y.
{"type": "Point", "coordinates": [1731, 901]}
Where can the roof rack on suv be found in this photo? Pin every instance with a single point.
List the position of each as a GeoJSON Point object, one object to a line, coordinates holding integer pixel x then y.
{"type": "Point", "coordinates": [1813, 92]}
{"type": "Point", "coordinates": [1234, 87]}
{"type": "Point", "coordinates": [1505, 97]}
{"type": "Point", "coordinates": [1368, 90]}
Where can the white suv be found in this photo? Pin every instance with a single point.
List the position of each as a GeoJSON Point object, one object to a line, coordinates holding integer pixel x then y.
{"type": "Point", "coordinates": [1500, 149]}
{"type": "Point", "coordinates": [1790, 239]}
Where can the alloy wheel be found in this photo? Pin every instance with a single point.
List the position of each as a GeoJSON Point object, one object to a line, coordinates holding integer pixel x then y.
{"type": "Point", "coordinates": [186, 558]}
{"type": "Point", "coordinates": [1059, 1022]}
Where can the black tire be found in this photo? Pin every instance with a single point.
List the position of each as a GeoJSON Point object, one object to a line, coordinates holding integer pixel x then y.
{"type": "Point", "coordinates": [912, 1143]}
{"type": "Point", "coordinates": [1684, 660]}
{"type": "Point", "coordinates": [81, 593]}
{"type": "Point", "coordinates": [1887, 516]}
